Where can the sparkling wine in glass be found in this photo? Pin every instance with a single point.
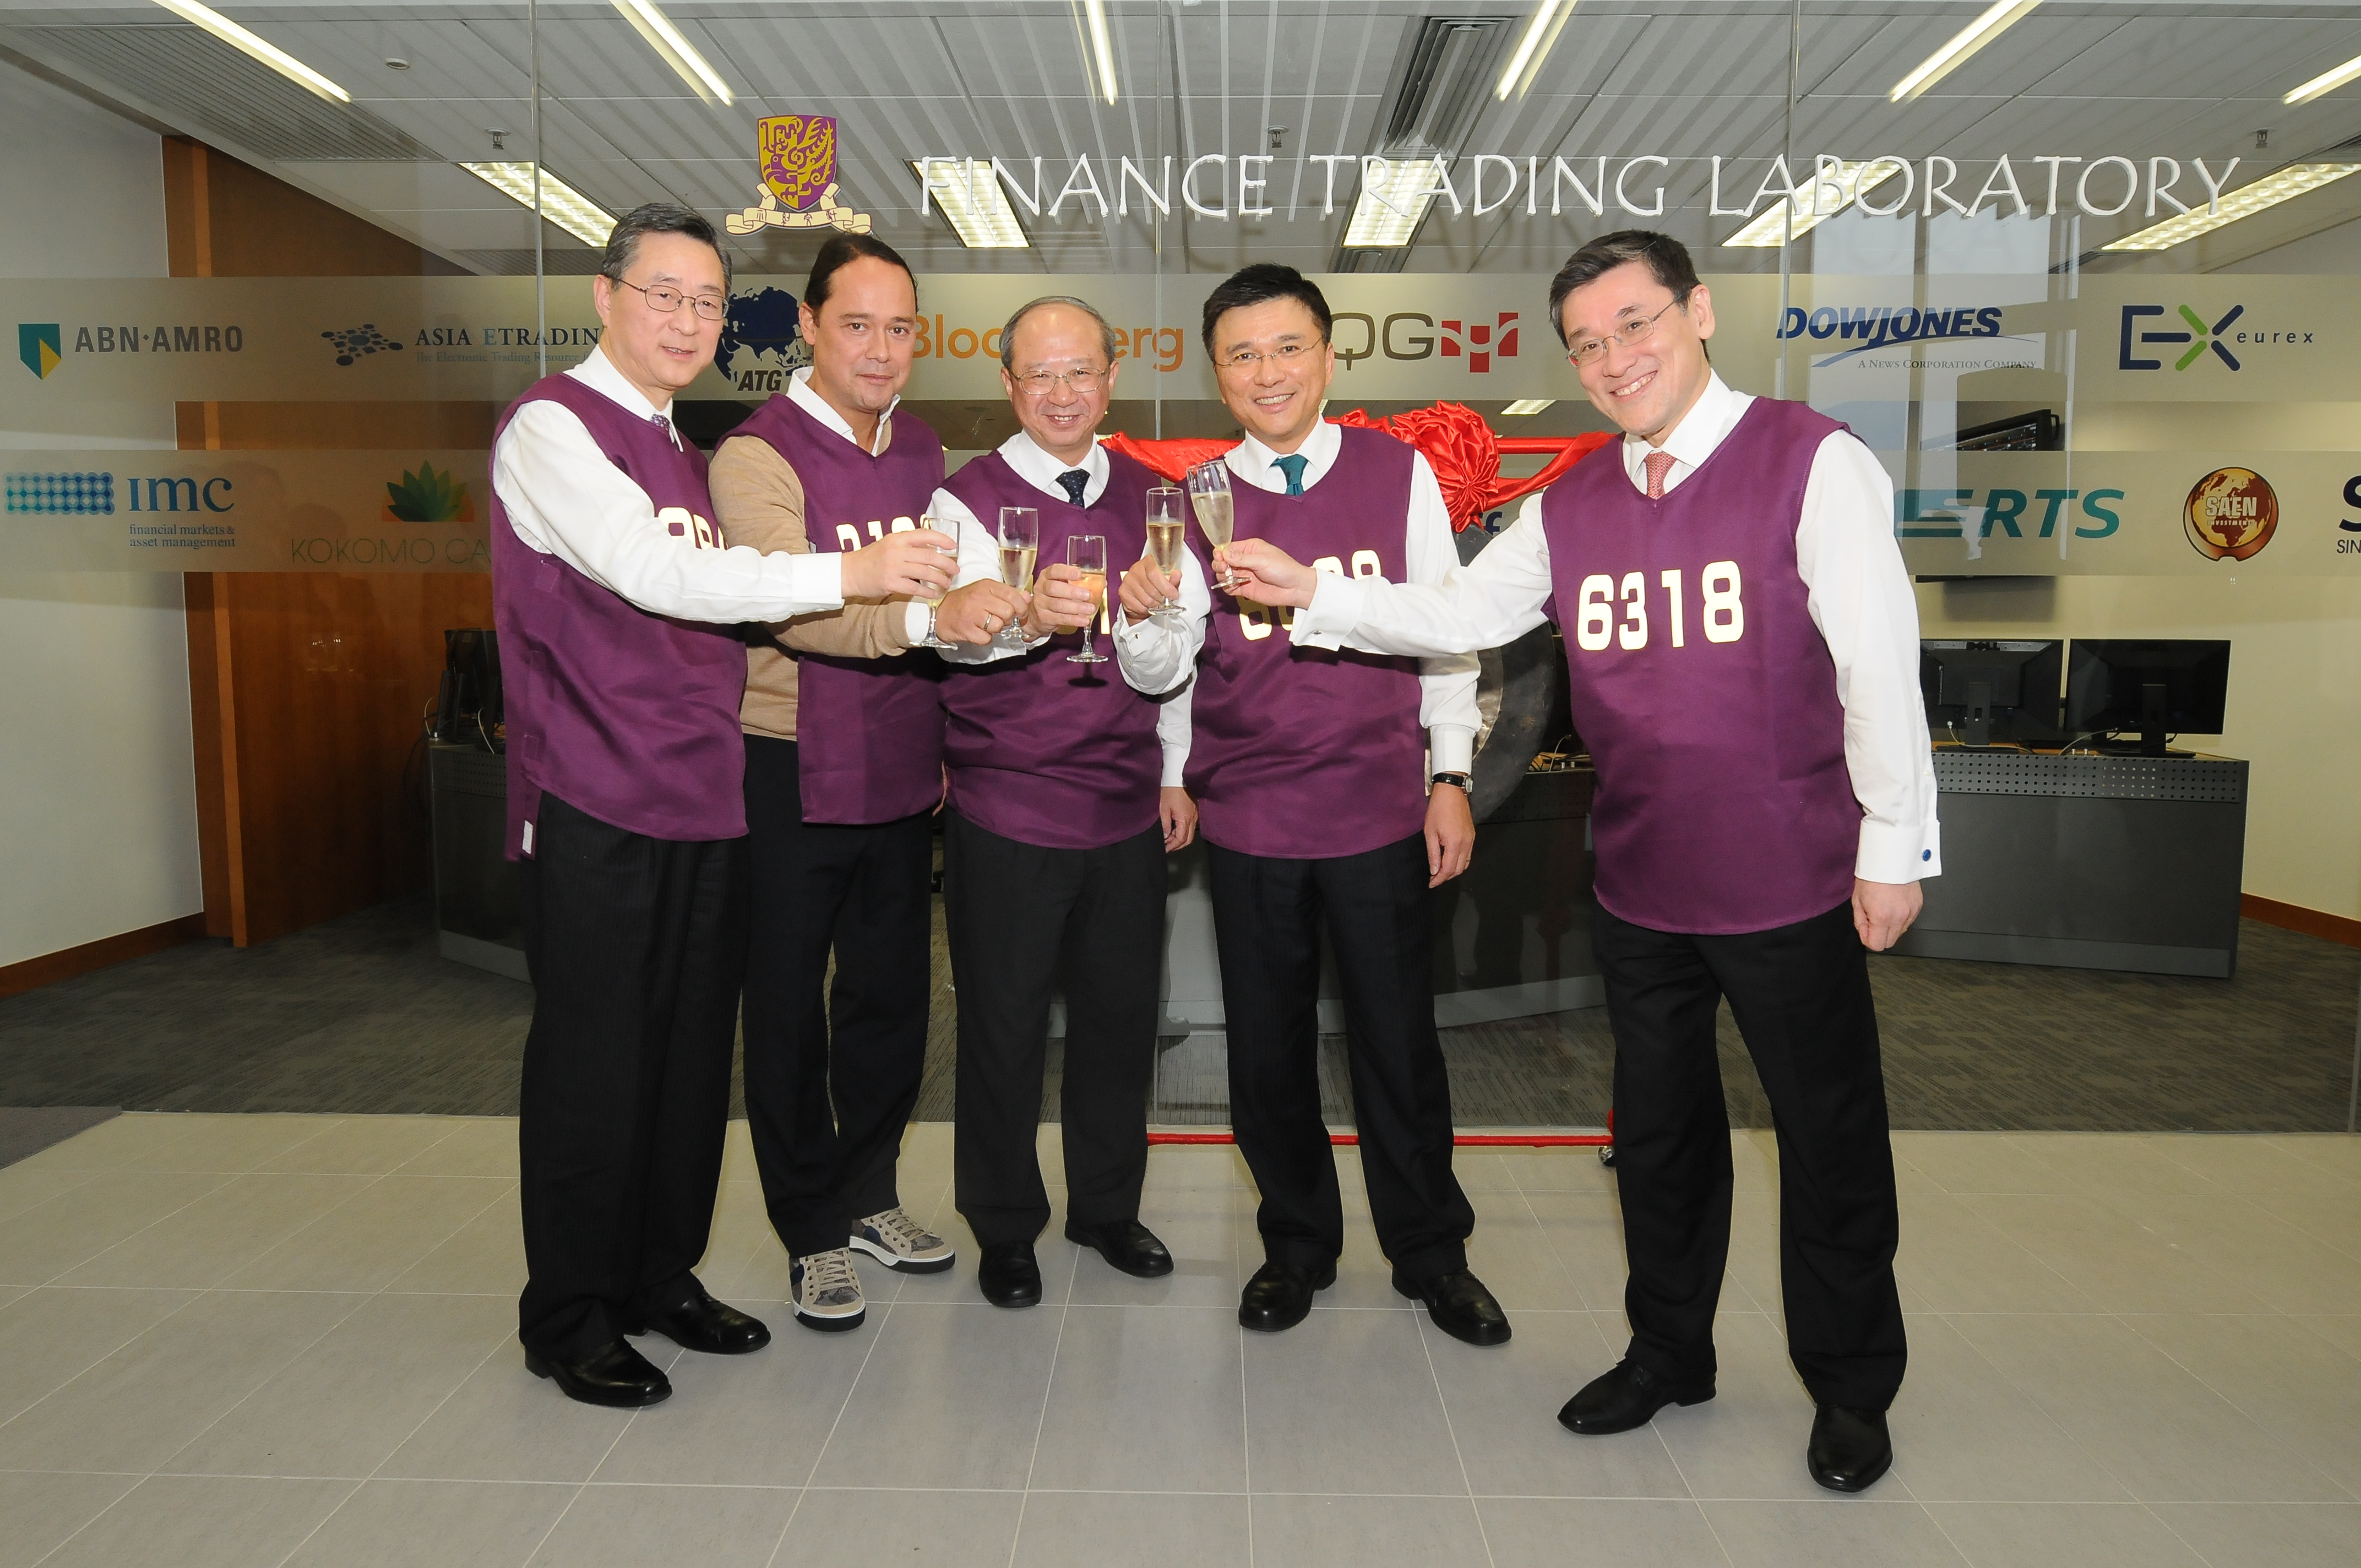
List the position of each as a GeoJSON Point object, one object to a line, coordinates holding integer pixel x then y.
{"type": "Point", "coordinates": [1167, 517]}
{"type": "Point", "coordinates": [949, 527]}
{"type": "Point", "coordinates": [1209, 492]}
{"type": "Point", "coordinates": [1086, 553]}
{"type": "Point", "coordinates": [1020, 542]}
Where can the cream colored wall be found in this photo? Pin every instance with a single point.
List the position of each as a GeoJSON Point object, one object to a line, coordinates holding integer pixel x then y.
{"type": "Point", "coordinates": [98, 813]}
{"type": "Point", "coordinates": [2295, 702]}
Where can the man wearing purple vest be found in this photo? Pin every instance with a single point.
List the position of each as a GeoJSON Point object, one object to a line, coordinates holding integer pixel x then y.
{"type": "Point", "coordinates": [1741, 640]}
{"type": "Point", "coordinates": [1062, 806]}
{"type": "Point", "coordinates": [617, 600]}
{"type": "Point", "coordinates": [1312, 771]}
{"type": "Point", "coordinates": [844, 769]}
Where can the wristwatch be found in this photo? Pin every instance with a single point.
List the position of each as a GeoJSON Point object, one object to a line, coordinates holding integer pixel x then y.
{"type": "Point", "coordinates": [1457, 780]}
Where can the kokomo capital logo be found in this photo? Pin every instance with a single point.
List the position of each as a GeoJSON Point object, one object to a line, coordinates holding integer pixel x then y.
{"type": "Point", "coordinates": [428, 496]}
{"type": "Point", "coordinates": [798, 153]}
{"type": "Point", "coordinates": [2231, 514]}
{"type": "Point", "coordinates": [40, 346]}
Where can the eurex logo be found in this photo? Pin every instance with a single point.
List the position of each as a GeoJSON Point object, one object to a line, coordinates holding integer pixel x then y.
{"type": "Point", "coordinates": [2200, 338]}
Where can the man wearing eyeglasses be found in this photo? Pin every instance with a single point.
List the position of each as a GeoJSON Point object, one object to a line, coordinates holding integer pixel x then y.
{"type": "Point", "coordinates": [844, 748]}
{"type": "Point", "coordinates": [1741, 638]}
{"type": "Point", "coordinates": [1063, 802]}
{"type": "Point", "coordinates": [1312, 772]}
{"type": "Point", "coordinates": [617, 600]}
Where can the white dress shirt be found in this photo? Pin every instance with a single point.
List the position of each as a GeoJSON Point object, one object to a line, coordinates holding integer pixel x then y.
{"type": "Point", "coordinates": [979, 561]}
{"type": "Point", "coordinates": [564, 499]}
{"type": "Point", "coordinates": [1856, 588]}
{"type": "Point", "coordinates": [1156, 655]}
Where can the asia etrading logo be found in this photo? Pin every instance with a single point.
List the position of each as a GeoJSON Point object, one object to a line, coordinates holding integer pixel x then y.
{"type": "Point", "coordinates": [358, 341]}
{"type": "Point", "coordinates": [1877, 326]}
{"type": "Point", "coordinates": [40, 346]}
{"type": "Point", "coordinates": [2230, 514]}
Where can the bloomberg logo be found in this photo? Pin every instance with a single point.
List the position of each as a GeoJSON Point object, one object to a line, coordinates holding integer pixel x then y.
{"type": "Point", "coordinates": [1876, 326]}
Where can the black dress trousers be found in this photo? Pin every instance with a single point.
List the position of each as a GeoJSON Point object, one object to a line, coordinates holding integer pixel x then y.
{"type": "Point", "coordinates": [1801, 996]}
{"type": "Point", "coordinates": [830, 1082]}
{"type": "Point", "coordinates": [635, 945]}
{"type": "Point", "coordinates": [1268, 915]}
{"type": "Point", "coordinates": [1025, 919]}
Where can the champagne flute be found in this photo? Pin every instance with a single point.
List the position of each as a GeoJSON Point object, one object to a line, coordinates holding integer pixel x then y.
{"type": "Point", "coordinates": [1167, 517]}
{"type": "Point", "coordinates": [950, 527]}
{"type": "Point", "coordinates": [1020, 542]}
{"type": "Point", "coordinates": [1086, 553]}
{"type": "Point", "coordinates": [1209, 492]}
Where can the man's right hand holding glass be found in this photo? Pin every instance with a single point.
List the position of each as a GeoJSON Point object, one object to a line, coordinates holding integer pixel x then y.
{"type": "Point", "coordinates": [1267, 574]}
{"type": "Point", "coordinates": [1145, 590]}
{"type": "Point", "coordinates": [915, 562]}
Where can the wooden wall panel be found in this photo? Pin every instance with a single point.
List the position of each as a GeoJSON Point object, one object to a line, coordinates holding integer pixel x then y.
{"type": "Point", "coordinates": [307, 689]}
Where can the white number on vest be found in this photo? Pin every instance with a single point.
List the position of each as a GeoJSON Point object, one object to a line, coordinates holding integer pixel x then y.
{"type": "Point", "coordinates": [1597, 624]}
{"type": "Point", "coordinates": [682, 523]}
{"type": "Point", "coordinates": [1256, 620]}
{"type": "Point", "coordinates": [848, 535]}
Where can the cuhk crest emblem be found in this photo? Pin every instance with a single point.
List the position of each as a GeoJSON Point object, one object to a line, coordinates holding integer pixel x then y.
{"type": "Point", "coordinates": [798, 153]}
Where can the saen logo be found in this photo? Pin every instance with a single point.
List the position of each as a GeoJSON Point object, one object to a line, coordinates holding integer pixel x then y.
{"type": "Point", "coordinates": [40, 346]}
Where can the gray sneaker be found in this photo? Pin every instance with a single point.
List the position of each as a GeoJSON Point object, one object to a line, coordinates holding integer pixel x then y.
{"type": "Point", "coordinates": [897, 1241]}
{"type": "Point", "coordinates": [827, 1291]}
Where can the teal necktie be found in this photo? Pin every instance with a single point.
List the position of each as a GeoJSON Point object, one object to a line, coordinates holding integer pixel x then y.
{"type": "Point", "coordinates": [1292, 467]}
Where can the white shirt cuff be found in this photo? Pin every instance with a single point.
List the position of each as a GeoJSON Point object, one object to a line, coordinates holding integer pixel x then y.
{"type": "Point", "coordinates": [915, 617]}
{"type": "Point", "coordinates": [1176, 764]}
{"type": "Point", "coordinates": [818, 577]}
{"type": "Point", "coordinates": [1335, 608]}
{"type": "Point", "coordinates": [1898, 854]}
{"type": "Point", "coordinates": [1451, 749]}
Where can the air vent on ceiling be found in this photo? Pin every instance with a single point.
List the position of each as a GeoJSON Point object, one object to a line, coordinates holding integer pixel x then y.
{"type": "Point", "coordinates": [1439, 85]}
{"type": "Point", "coordinates": [211, 90]}
{"type": "Point", "coordinates": [518, 263]}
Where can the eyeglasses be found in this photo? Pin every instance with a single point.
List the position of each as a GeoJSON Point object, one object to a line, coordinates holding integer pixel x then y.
{"type": "Point", "coordinates": [1037, 383]}
{"type": "Point", "coordinates": [1631, 335]}
{"type": "Point", "coordinates": [666, 299]}
{"type": "Point", "coordinates": [1284, 356]}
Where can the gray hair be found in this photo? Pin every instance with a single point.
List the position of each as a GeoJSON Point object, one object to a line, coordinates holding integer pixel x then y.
{"type": "Point", "coordinates": [657, 218]}
{"type": "Point", "coordinates": [1109, 341]}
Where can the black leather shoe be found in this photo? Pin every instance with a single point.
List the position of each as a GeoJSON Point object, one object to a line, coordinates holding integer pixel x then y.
{"type": "Point", "coordinates": [1851, 1449]}
{"type": "Point", "coordinates": [1009, 1275]}
{"type": "Point", "coordinates": [614, 1374]}
{"type": "Point", "coordinates": [1126, 1244]}
{"type": "Point", "coordinates": [1626, 1398]}
{"type": "Point", "coordinates": [1279, 1295]}
{"type": "Point", "coordinates": [703, 1324]}
{"type": "Point", "coordinates": [1459, 1305]}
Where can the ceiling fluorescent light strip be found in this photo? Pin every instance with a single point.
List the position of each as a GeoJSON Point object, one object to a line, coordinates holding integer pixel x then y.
{"type": "Point", "coordinates": [238, 39]}
{"type": "Point", "coordinates": [2328, 83]}
{"type": "Point", "coordinates": [677, 52]}
{"type": "Point", "coordinates": [1389, 210]}
{"type": "Point", "coordinates": [1527, 405]}
{"type": "Point", "coordinates": [1767, 230]}
{"type": "Point", "coordinates": [2003, 14]}
{"type": "Point", "coordinates": [2244, 203]}
{"type": "Point", "coordinates": [1102, 47]}
{"type": "Point", "coordinates": [1541, 36]}
{"type": "Point", "coordinates": [561, 203]}
{"type": "Point", "coordinates": [972, 201]}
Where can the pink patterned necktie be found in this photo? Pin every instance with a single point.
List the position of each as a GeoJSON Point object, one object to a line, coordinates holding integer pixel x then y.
{"type": "Point", "coordinates": [1660, 466]}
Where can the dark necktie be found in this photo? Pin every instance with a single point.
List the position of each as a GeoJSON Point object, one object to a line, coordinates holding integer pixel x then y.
{"type": "Point", "coordinates": [1292, 467]}
{"type": "Point", "coordinates": [1076, 481]}
{"type": "Point", "coordinates": [665, 425]}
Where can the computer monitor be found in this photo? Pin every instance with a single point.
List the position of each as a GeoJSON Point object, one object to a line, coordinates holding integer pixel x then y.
{"type": "Point", "coordinates": [2153, 686]}
{"type": "Point", "coordinates": [1984, 689]}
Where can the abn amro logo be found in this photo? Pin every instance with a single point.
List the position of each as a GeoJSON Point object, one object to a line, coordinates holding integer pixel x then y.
{"type": "Point", "coordinates": [40, 346]}
{"type": "Point", "coordinates": [2200, 338]}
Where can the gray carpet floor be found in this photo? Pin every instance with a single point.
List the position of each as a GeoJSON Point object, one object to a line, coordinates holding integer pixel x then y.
{"type": "Point", "coordinates": [362, 1014]}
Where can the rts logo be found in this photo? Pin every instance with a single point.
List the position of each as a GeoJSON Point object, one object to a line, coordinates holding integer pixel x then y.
{"type": "Point", "coordinates": [40, 346]}
{"type": "Point", "coordinates": [1481, 345]}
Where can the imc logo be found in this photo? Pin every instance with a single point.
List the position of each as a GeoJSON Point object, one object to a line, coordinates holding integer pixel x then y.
{"type": "Point", "coordinates": [40, 346]}
{"type": "Point", "coordinates": [2200, 338]}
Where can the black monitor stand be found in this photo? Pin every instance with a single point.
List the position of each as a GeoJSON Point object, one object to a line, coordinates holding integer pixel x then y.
{"type": "Point", "coordinates": [2153, 714]}
{"type": "Point", "coordinates": [1980, 706]}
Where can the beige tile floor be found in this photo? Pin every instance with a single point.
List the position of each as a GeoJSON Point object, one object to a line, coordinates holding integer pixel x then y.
{"type": "Point", "coordinates": [272, 1340]}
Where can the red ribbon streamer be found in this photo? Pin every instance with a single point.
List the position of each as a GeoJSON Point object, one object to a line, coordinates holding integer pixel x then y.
{"type": "Point", "coordinates": [1457, 444]}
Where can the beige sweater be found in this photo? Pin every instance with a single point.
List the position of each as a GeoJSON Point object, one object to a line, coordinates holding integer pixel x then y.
{"type": "Point", "coordinates": [759, 501]}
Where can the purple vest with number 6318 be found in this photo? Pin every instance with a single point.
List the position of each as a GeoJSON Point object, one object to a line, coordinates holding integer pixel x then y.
{"type": "Point", "coordinates": [1704, 690]}
{"type": "Point", "coordinates": [1042, 750]}
{"type": "Point", "coordinates": [1305, 753]}
{"type": "Point", "coordinates": [869, 732]}
{"type": "Point", "coordinates": [629, 716]}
